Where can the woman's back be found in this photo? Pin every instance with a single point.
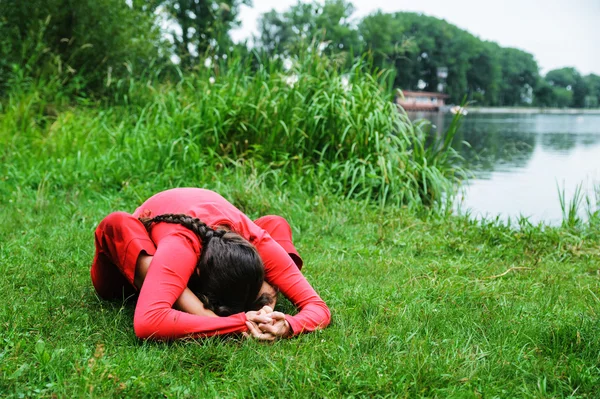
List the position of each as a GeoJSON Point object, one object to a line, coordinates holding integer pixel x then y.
{"type": "Point", "coordinates": [208, 206]}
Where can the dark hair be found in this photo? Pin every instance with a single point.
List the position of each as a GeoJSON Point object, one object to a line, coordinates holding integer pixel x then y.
{"type": "Point", "coordinates": [229, 273]}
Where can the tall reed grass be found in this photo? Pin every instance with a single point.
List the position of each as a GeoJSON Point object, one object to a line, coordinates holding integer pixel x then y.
{"type": "Point", "coordinates": [316, 125]}
{"type": "Point", "coordinates": [582, 208]}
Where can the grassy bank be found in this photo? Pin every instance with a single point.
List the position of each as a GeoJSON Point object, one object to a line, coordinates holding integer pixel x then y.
{"type": "Point", "coordinates": [431, 308]}
{"type": "Point", "coordinates": [423, 303]}
{"type": "Point", "coordinates": [534, 110]}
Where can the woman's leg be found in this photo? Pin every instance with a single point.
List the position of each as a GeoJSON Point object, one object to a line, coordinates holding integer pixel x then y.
{"type": "Point", "coordinates": [279, 229]}
{"type": "Point", "coordinates": [120, 239]}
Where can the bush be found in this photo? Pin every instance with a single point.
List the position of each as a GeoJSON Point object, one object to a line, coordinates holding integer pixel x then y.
{"type": "Point", "coordinates": [312, 126]}
{"type": "Point", "coordinates": [79, 46]}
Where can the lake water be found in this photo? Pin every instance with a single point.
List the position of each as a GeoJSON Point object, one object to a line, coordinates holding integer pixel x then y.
{"type": "Point", "coordinates": [519, 161]}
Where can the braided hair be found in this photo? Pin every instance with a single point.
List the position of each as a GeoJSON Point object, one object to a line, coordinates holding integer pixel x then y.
{"type": "Point", "coordinates": [229, 272]}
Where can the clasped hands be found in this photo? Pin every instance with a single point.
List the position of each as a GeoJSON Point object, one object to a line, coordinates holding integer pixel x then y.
{"type": "Point", "coordinates": [267, 325]}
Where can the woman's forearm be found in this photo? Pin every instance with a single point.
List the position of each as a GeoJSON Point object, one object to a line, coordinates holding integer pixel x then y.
{"type": "Point", "coordinates": [187, 301]}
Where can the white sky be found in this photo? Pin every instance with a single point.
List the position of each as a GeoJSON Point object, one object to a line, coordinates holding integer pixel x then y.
{"type": "Point", "coordinates": [558, 33]}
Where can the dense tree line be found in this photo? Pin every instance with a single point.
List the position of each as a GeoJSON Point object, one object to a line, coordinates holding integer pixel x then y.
{"type": "Point", "coordinates": [93, 44]}
{"type": "Point", "coordinates": [83, 44]}
{"type": "Point", "coordinates": [416, 46]}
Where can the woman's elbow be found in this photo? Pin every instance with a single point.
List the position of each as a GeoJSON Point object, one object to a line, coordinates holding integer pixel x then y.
{"type": "Point", "coordinates": [322, 316]}
{"type": "Point", "coordinates": [143, 328]}
{"type": "Point", "coordinates": [327, 319]}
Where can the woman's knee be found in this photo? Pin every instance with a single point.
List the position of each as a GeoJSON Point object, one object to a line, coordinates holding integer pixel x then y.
{"type": "Point", "coordinates": [115, 219]}
{"type": "Point", "coordinates": [272, 223]}
{"type": "Point", "coordinates": [119, 226]}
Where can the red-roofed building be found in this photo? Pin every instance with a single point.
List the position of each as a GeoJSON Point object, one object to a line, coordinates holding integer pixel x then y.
{"type": "Point", "coordinates": [421, 100]}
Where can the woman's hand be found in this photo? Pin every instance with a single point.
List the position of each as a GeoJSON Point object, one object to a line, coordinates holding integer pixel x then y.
{"type": "Point", "coordinates": [265, 330]}
{"type": "Point", "coordinates": [279, 328]}
{"type": "Point", "coordinates": [254, 318]}
{"type": "Point", "coordinates": [260, 316]}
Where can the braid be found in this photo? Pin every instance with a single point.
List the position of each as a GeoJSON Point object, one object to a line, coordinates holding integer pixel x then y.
{"type": "Point", "coordinates": [199, 228]}
{"type": "Point", "coordinates": [229, 272]}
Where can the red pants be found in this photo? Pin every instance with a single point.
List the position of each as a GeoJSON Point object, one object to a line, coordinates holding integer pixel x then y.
{"type": "Point", "coordinates": [121, 238]}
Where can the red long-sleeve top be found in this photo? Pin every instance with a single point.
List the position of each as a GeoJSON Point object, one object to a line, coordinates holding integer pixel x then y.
{"type": "Point", "coordinates": [177, 252]}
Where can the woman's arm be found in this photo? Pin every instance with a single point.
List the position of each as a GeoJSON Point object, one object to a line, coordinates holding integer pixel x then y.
{"type": "Point", "coordinates": [281, 271]}
{"type": "Point", "coordinates": [171, 267]}
{"type": "Point", "coordinates": [187, 302]}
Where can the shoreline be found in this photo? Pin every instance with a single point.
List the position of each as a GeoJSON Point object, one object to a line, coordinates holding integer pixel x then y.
{"type": "Point", "coordinates": [533, 110]}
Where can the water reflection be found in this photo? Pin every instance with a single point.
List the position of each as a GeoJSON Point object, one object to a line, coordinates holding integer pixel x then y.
{"type": "Point", "coordinates": [488, 150]}
{"type": "Point", "coordinates": [518, 161]}
{"type": "Point", "coordinates": [559, 142]}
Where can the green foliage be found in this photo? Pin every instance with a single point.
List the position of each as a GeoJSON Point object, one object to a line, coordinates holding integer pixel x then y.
{"type": "Point", "coordinates": [564, 77]}
{"type": "Point", "coordinates": [565, 87]}
{"type": "Point", "coordinates": [592, 82]}
{"type": "Point", "coordinates": [571, 208]}
{"type": "Point", "coordinates": [314, 123]}
{"type": "Point", "coordinates": [520, 75]}
{"type": "Point", "coordinates": [591, 102]}
{"type": "Point", "coordinates": [76, 46]}
{"type": "Point", "coordinates": [563, 98]}
{"type": "Point", "coordinates": [203, 24]}
{"type": "Point", "coordinates": [294, 30]}
{"type": "Point", "coordinates": [378, 32]}
{"type": "Point", "coordinates": [544, 94]}
{"type": "Point", "coordinates": [581, 209]}
{"type": "Point", "coordinates": [416, 46]}
{"type": "Point", "coordinates": [64, 49]}
{"type": "Point", "coordinates": [484, 76]}
{"type": "Point", "coordinates": [569, 79]}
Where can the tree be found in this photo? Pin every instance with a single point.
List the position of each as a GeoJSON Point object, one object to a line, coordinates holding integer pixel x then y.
{"type": "Point", "coordinates": [275, 33]}
{"type": "Point", "coordinates": [417, 46]}
{"type": "Point", "coordinates": [379, 34]}
{"type": "Point", "coordinates": [330, 23]}
{"type": "Point", "coordinates": [571, 80]}
{"type": "Point", "coordinates": [544, 94]}
{"type": "Point", "coordinates": [563, 97]}
{"type": "Point", "coordinates": [593, 85]}
{"type": "Point", "coordinates": [564, 77]}
{"type": "Point", "coordinates": [86, 43]}
{"type": "Point", "coordinates": [385, 38]}
{"type": "Point", "coordinates": [484, 74]}
{"type": "Point", "coordinates": [203, 24]}
{"type": "Point", "coordinates": [520, 74]}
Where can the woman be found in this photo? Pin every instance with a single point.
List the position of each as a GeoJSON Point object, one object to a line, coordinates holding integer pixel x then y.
{"type": "Point", "coordinates": [178, 228]}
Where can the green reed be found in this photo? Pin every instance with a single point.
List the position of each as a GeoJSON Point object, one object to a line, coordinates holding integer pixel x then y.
{"type": "Point", "coordinates": [318, 122]}
{"type": "Point", "coordinates": [582, 210]}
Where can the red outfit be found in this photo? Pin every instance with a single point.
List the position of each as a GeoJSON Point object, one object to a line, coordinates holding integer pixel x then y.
{"type": "Point", "coordinates": [120, 238]}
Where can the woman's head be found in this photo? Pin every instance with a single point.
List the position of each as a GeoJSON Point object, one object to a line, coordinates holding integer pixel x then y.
{"type": "Point", "coordinates": [229, 273]}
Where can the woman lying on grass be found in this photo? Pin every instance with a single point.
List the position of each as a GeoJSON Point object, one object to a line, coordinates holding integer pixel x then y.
{"type": "Point", "coordinates": [191, 236]}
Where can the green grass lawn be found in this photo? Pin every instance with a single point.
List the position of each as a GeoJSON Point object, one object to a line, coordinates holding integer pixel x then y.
{"type": "Point", "coordinates": [421, 307]}
{"type": "Point", "coordinates": [423, 304]}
